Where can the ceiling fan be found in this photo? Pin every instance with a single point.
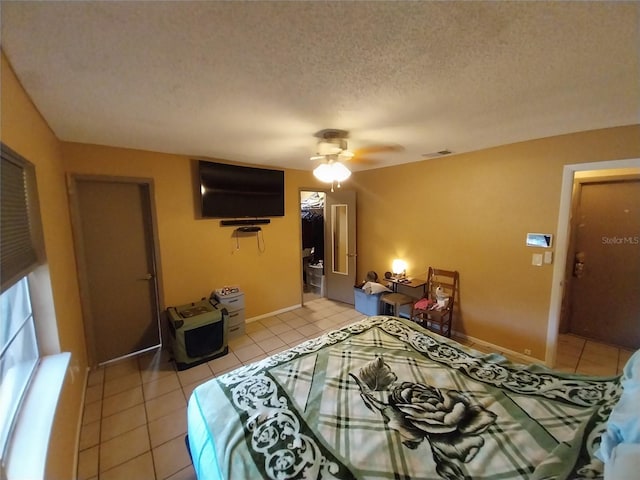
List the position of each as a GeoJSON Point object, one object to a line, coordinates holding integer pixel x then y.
{"type": "Point", "coordinates": [333, 143]}
{"type": "Point", "coordinates": [332, 151]}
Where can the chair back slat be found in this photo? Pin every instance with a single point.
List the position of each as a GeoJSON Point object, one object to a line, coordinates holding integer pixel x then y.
{"type": "Point", "coordinates": [447, 279]}
{"type": "Point", "coordinates": [441, 317]}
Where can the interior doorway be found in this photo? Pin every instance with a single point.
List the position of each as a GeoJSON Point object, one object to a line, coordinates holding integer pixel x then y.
{"type": "Point", "coordinates": [562, 260]}
{"type": "Point", "coordinates": [328, 244]}
{"type": "Point", "coordinates": [116, 250]}
{"type": "Point", "coordinates": [312, 218]}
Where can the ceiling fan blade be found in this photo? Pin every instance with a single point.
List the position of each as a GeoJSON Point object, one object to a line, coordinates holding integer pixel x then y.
{"type": "Point", "coordinates": [361, 155]}
{"type": "Point", "coordinates": [391, 148]}
{"type": "Point", "coordinates": [365, 161]}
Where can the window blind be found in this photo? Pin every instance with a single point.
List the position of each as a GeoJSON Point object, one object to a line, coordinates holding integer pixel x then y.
{"type": "Point", "coordinates": [18, 254]}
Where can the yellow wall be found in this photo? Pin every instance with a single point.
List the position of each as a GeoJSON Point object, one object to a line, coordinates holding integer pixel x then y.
{"type": "Point", "coordinates": [471, 213]}
{"type": "Point", "coordinates": [466, 212]}
{"type": "Point", "coordinates": [26, 132]}
{"type": "Point", "coordinates": [198, 255]}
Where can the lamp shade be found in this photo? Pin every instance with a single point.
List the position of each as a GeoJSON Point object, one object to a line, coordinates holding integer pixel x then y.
{"type": "Point", "coordinates": [398, 266]}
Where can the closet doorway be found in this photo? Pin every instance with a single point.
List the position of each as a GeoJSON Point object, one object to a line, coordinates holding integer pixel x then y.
{"type": "Point", "coordinates": [328, 244]}
{"type": "Point", "coordinates": [312, 217]}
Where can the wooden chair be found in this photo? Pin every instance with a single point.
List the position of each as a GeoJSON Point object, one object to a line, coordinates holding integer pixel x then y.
{"type": "Point", "coordinates": [426, 311]}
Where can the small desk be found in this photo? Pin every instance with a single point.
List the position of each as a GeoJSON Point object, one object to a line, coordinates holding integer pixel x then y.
{"type": "Point", "coordinates": [396, 299]}
{"type": "Point", "coordinates": [413, 283]}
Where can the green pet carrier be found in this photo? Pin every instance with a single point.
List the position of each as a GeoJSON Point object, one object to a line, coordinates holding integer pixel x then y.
{"type": "Point", "coordinates": [199, 332]}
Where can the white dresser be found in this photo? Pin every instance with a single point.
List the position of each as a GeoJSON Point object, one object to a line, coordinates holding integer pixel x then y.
{"type": "Point", "coordinates": [233, 301]}
{"type": "Point", "coordinates": [315, 279]}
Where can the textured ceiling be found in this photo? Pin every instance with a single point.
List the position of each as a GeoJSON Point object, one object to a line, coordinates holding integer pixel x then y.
{"type": "Point", "coordinates": [253, 81]}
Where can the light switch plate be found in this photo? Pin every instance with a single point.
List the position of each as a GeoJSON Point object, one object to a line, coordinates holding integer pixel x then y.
{"type": "Point", "coordinates": [536, 259]}
{"type": "Point", "coordinates": [548, 258]}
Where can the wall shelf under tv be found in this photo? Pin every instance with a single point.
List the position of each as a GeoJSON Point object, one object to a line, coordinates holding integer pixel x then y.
{"type": "Point", "coordinates": [236, 223]}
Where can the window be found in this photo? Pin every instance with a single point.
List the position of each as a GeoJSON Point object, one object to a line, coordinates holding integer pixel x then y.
{"type": "Point", "coordinates": [20, 245]}
{"type": "Point", "coordinates": [18, 352]}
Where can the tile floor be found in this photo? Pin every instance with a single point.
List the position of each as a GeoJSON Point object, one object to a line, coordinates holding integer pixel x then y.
{"type": "Point", "coordinates": [134, 419]}
{"type": "Point", "coordinates": [580, 355]}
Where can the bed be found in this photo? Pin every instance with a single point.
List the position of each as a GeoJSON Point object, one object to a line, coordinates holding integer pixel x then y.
{"type": "Point", "coordinates": [384, 398]}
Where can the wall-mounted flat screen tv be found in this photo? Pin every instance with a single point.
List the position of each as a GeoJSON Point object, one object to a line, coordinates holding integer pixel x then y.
{"type": "Point", "coordinates": [234, 191]}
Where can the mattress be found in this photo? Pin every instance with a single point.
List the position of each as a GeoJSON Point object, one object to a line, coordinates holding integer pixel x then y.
{"type": "Point", "coordinates": [384, 398]}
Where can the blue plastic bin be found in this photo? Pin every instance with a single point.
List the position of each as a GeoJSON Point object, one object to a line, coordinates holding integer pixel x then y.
{"type": "Point", "coordinates": [367, 304]}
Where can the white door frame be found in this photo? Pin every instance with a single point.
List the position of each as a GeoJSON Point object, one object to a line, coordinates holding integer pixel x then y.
{"type": "Point", "coordinates": [562, 244]}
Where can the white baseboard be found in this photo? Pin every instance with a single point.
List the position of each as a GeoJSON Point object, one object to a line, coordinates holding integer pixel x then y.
{"type": "Point", "coordinates": [271, 314]}
{"type": "Point", "coordinates": [525, 358]}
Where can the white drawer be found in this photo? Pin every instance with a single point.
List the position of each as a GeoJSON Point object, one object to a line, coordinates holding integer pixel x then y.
{"type": "Point", "coordinates": [235, 317]}
{"type": "Point", "coordinates": [236, 331]}
{"type": "Point", "coordinates": [314, 271]}
{"type": "Point", "coordinates": [232, 303]}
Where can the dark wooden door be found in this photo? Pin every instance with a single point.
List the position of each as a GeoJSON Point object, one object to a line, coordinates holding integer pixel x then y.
{"type": "Point", "coordinates": [117, 266]}
{"type": "Point", "coordinates": [604, 301]}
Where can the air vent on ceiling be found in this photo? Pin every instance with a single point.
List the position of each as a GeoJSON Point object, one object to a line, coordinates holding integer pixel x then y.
{"type": "Point", "coordinates": [439, 153]}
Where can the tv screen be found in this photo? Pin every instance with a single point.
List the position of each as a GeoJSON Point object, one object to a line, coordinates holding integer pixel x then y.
{"type": "Point", "coordinates": [233, 191]}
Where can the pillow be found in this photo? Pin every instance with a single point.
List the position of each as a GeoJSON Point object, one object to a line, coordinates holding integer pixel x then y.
{"type": "Point", "coordinates": [372, 288]}
{"type": "Point", "coordinates": [423, 304]}
{"type": "Point", "coordinates": [623, 425]}
{"type": "Point", "coordinates": [624, 462]}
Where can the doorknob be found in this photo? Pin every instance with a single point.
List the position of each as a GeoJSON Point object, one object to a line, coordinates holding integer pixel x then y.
{"type": "Point", "coordinates": [148, 276]}
{"type": "Point", "coordinates": [578, 264]}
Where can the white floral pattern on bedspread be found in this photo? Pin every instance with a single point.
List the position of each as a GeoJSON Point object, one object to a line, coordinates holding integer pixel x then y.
{"type": "Point", "coordinates": [385, 399]}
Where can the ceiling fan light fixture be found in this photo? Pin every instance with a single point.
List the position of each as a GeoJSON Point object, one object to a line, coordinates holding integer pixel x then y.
{"type": "Point", "coordinates": [332, 148]}
{"type": "Point", "coordinates": [331, 172]}
{"type": "Point", "coordinates": [340, 171]}
{"type": "Point", "coordinates": [323, 173]}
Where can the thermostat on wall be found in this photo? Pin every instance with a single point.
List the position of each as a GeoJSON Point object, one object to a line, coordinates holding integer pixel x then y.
{"type": "Point", "coordinates": [543, 240]}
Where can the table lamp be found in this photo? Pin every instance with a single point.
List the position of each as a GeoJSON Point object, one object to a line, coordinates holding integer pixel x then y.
{"type": "Point", "coordinates": [399, 268]}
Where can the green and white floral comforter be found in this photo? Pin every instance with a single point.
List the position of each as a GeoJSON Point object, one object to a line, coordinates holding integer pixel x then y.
{"type": "Point", "coordinates": [385, 399]}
